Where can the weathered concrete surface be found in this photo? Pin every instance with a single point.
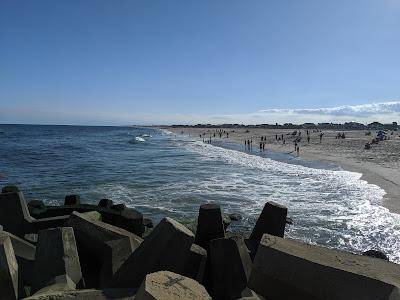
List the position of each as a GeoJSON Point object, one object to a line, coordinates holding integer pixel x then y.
{"type": "Point", "coordinates": [21, 247]}
{"type": "Point", "coordinates": [102, 248]}
{"type": "Point", "coordinates": [8, 270]}
{"type": "Point", "coordinates": [20, 222]}
{"type": "Point", "coordinates": [209, 225]}
{"type": "Point", "coordinates": [94, 215]}
{"type": "Point", "coordinates": [230, 268]}
{"type": "Point", "coordinates": [31, 238]}
{"type": "Point", "coordinates": [195, 263]}
{"type": "Point", "coordinates": [25, 255]}
{"type": "Point", "coordinates": [165, 285]}
{"type": "Point", "coordinates": [164, 249]}
{"type": "Point", "coordinates": [272, 221]}
{"type": "Point", "coordinates": [252, 296]}
{"type": "Point", "coordinates": [289, 269]}
{"type": "Point", "coordinates": [56, 255]}
{"type": "Point", "coordinates": [58, 283]}
{"type": "Point", "coordinates": [89, 294]}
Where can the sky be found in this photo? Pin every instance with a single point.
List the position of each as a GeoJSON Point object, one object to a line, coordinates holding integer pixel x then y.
{"type": "Point", "coordinates": [146, 62]}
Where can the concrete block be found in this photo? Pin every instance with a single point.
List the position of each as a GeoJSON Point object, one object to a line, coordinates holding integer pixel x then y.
{"type": "Point", "coordinates": [230, 268]}
{"type": "Point", "coordinates": [14, 214]}
{"type": "Point", "coordinates": [89, 294]}
{"type": "Point", "coordinates": [118, 207]}
{"type": "Point", "coordinates": [272, 221]}
{"type": "Point", "coordinates": [195, 263]}
{"type": "Point", "coordinates": [251, 296]}
{"type": "Point", "coordinates": [9, 189]}
{"type": "Point", "coordinates": [105, 203]}
{"type": "Point", "coordinates": [25, 255]}
{"type": "Point", "coordinates": [58, 283]}
{"type": "Point", "coordinates": [31, 238]}
{"type": "Point", "coordinates": [56, 255]}
{"type": "Point", "coordinates": [376, 254]}
{"type": "Point", "coordinates": [128, 218]}
{"type": "Point", "coordinates": [209, 225]}
{"type": "Point", "coordinates": [289, 269]}
{"type": "Point", "coordinates": [72, 200]}
{"type": "Point", "coordinates": [164, 249]}
{"type": "Point", "coordinates": [102, 248]}
{"type": "Point", "coordinates": [16, 219]}
{"type": "Point", "coordinates": [8, 270]}
{"type": "Point", "coordinates": [165, 285]}
{"type": "Point", "coordinates": [94, 215]}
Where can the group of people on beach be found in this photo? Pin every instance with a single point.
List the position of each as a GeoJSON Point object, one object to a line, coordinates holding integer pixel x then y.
{"type": "Point", "coordinates": [219, 133]}
{"type": "Point", "coordinates": [295, 137]}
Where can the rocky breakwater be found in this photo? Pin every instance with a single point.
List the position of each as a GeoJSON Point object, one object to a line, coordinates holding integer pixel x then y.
{"type": "Point", "coordinates": [79, 251]}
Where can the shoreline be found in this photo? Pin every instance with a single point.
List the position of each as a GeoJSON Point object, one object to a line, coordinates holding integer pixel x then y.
{"type": "Point", "coordinates": [379, 171]}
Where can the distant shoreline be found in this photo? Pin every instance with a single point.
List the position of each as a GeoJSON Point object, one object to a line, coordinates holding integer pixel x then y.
{"type": "Point", "coordinates": [378, 166]}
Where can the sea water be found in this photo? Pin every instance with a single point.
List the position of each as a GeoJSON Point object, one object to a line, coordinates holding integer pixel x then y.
{"type": "Point", "coordinates": [163, 174]}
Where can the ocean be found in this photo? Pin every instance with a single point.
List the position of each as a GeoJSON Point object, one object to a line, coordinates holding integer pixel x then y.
{"type": "Point", "coordinates": [163, 174]}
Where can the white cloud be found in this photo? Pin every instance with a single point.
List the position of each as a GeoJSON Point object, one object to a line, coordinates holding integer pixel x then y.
{"type": "Point", "coordinates": [384, 112]}
{"type": "Point", "coordinates": [362, 110]}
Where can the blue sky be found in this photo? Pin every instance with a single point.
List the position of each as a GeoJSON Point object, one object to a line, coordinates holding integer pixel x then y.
{"type": "Point", "coordinates": [151, 62]}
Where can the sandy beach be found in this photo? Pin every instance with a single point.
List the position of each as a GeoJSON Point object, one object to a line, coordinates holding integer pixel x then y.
{"type": "Point", "coordinates": [379, 165]}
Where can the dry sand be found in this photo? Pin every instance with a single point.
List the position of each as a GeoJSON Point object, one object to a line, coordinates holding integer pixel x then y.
{"type": "Point", "coordinates": [380, 165]}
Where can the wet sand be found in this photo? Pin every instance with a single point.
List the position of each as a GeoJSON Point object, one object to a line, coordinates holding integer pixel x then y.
{"type": "Point", "coordinates": [379, 165]}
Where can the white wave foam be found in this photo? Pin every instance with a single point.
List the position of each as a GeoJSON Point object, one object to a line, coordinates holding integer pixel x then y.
{"type": "Point", "coordinates": [330, 207]}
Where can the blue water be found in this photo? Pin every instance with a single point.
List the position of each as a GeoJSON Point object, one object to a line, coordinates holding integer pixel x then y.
{"type": "Point", "coordinates": [169, 175]}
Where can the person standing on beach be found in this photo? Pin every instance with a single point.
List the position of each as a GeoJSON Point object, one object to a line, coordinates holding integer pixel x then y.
{"type": "Point", "coordinates": [298, 150]}
{"type": "Point", "coordinates": [308, 138]}
{"type": "Point", "coordinates": [282, 136]}
{"type": "Point", "coordinates": [320, 136]}
{"type": "Point", "coordinates": [295, 146]}
{"type": "Point", "coordinates": [260, 146]}
{"type": "Point", "coordinates": [263, 146]}
{"type": "Point", "coordinates": [262, 138]}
